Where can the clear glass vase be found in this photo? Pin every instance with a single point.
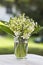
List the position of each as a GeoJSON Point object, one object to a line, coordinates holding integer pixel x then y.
{"type": "Point", "coordinates": [20, 47]}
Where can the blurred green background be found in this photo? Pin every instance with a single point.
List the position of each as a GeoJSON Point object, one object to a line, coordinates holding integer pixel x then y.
{"type": "Point", "coordinates": [33, 9]}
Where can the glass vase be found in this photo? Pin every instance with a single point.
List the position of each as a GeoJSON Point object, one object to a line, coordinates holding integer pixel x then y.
{"type": "Point", "coordinates": [20, 47]}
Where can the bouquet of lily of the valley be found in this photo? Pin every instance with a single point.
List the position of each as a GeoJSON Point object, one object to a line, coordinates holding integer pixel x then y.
{"type": "Point", "coordinates": [21, 28]}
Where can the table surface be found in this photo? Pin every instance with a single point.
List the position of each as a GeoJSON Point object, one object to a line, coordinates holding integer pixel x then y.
{"type": "Point", "coordinates": [31, 59]}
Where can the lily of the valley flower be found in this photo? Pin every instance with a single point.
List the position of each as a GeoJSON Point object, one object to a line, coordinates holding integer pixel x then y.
{"type": "Point", "coordinates": [22, 26]}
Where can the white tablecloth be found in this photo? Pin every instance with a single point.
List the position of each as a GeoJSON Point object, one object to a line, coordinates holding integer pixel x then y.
{"type": "Point", "coordinates": [31, 59]}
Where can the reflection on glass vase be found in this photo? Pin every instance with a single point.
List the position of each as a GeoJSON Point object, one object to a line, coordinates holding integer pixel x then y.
{"type": "Point", "coordinates": [20, 47]}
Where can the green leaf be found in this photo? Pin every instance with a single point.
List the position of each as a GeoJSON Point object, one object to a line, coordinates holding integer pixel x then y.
{"type": "Point", "coordinates": [6, 29]}
{"type": "Point", "coordinates": [38, 28]}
